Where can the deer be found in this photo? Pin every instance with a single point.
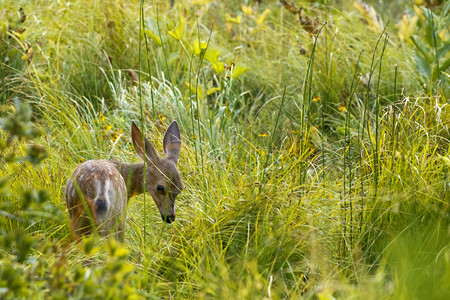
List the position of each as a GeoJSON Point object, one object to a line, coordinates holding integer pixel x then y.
{"type": "Point", "coordinates": [97, 192]}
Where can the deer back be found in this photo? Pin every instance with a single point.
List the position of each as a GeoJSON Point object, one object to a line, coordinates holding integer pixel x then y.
{"type": "Point", "coordinates": [96, 193]}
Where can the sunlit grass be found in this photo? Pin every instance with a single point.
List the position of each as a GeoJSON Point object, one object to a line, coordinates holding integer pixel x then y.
{"type": "Point", "coordinates": [298, 182]}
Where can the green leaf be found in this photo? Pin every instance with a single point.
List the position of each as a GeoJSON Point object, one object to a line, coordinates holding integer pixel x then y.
{"type": "Point", "coordinates": [209, 54]}
{"type": "Point", "coordinates": [117, 250]}
{"type": "Point", "coordinates": [178, 32]}
{"type": "Point", "coordinates": [422, 48]}
{"type": "Point", "coordinates": [212, 90]}
{"type": "Point", "coordinates": [199, 91]}
{"type": "Point", "coordinates": [218, 67]}
{"type": "Point", "coordinates": [90, 246]}
{"type": "Point", "coordinates": [445, 10]}
{"type": "Point", "coordinates": [4, 185]}
{"type": "Point", "coordinates": [423, 66]}
{"type": "Point", "coordinates": [199, 47]}
{"type": "Point", "coordinates": [222, 111]}
{"type": "Point", "coordinates": [153, 36]}
{"type": "Point", "coordinates": [151, 30]}
{"type": "Point", "coordinates": [445, 160]}
{"type": "Point", "coordinates": [428, 36]}
{"type": "Point", "coordinates": [239, 70]}
{"type": "Point", "coordinates": [443, 50]}
{"type": "Point", "coordinates": [212, 55]}
{"type": "Point", "coordinates": [445, 65]}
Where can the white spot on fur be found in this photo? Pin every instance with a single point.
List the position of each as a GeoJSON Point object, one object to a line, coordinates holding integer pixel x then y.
{"type": "Point", "coordinates": [98, 188]}
{"type": "Point", "coordinates": [102, 189]}
{"type": "Point", "coordinates": [89, 166]}
{"type": "Point", "coordinates": [106, 191]}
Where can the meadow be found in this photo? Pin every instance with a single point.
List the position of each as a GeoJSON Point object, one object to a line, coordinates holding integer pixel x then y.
{"type": "Point", "coordinates": [315, 155]}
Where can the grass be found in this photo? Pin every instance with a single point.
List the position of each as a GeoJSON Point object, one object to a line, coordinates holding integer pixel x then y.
{"type": "Point", "coordinates": [314, 165]}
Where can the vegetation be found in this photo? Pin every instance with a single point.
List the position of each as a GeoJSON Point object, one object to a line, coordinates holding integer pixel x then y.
{"type": "Point", "coordinates": [315, 157]}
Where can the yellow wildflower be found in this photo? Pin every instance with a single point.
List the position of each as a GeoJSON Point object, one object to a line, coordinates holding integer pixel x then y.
{"type": "Point", "coordinates": [369, 13]}
{"type": "Point", "coordinates": [444, 34]}
{"type": "Point", "coordinates": [233, 20]}
{"type": "Point", "coordinates": [259, 20]}
{"type": "Point", "coordinates": [406, 26]}
{"type": "Point", "coordinates": [115, 135]}
{"type": "Point", "coordinates": [419, 13]}
{"type": "Point", "coordinates": [247, 10]}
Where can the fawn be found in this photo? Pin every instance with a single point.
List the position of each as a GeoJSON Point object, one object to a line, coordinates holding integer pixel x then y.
{"type": "Point", "coordinates": [97, 192]}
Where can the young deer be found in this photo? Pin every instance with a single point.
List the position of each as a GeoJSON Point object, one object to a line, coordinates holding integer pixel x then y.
{"type": "Point", "coordinates": [97, 192]}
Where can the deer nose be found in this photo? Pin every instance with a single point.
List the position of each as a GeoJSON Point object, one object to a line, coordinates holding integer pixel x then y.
{"type": "Point", "coordinates": [169, 218]}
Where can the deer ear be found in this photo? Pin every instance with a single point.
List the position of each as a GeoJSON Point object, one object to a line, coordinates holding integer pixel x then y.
{"type": "Point", "coordinates": [172, 142]}
{"type": "Point", "coordinates": [138, 143]}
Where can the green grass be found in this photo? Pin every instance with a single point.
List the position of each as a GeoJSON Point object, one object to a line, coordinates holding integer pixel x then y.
{"type": "Point", "coordinates": [303, 178]}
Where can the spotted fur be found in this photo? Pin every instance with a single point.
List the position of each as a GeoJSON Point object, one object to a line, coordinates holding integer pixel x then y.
{"type": "Point", "coordinates": [97, 192]}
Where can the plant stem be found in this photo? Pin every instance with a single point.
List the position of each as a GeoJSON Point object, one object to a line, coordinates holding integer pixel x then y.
{"type": "Point", "coordinates": [269, 150]}
{"type": "Point", "coordinates": [141, 24]}
{"type": "Point", "coordinates": [3, 83]}
{"type": "Point", "coordinates": [366, 114]}
{"type": "Point", "coordinates": [377, 116]}
{"type": "Point", "coordinates": [348, 139]}
{"type": "Point", "coordinates": [430, 15]}
{"type": "Point", "coordinates": [148, 60]}
{"type": "Point", "coordinates": [162, 44]}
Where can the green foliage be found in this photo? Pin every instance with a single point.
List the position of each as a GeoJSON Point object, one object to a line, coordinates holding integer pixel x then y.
{"type": "Point", "coordinates": [433, 56]}
{"type": "Point", "coordinates": [337, 188]}
{"type": "Point", "coordinates": [18, 124]}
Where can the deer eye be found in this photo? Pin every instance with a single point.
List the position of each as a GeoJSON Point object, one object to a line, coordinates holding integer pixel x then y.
{"type": "Point", "coordinates": [160, 189]}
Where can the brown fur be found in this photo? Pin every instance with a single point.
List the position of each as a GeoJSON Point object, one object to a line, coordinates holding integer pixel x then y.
{"type": "Point", "coordinates": [97, 192]}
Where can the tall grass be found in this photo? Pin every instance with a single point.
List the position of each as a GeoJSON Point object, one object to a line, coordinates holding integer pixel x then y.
{"type": "Point", "coordinates": [299, 182]}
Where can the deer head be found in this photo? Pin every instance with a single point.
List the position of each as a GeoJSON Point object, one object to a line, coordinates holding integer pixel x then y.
{"type": "Point", "coordinates": [162, 179]}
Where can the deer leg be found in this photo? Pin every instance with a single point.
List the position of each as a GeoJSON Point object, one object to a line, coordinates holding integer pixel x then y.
{"type": "Point", "coordinates": [80, 223]}
{"type": "Point", "coordinates": [75, 223]}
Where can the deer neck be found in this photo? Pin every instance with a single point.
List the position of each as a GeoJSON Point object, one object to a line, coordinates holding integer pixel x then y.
{"type": "Point", "coordinates": [133, 174]}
